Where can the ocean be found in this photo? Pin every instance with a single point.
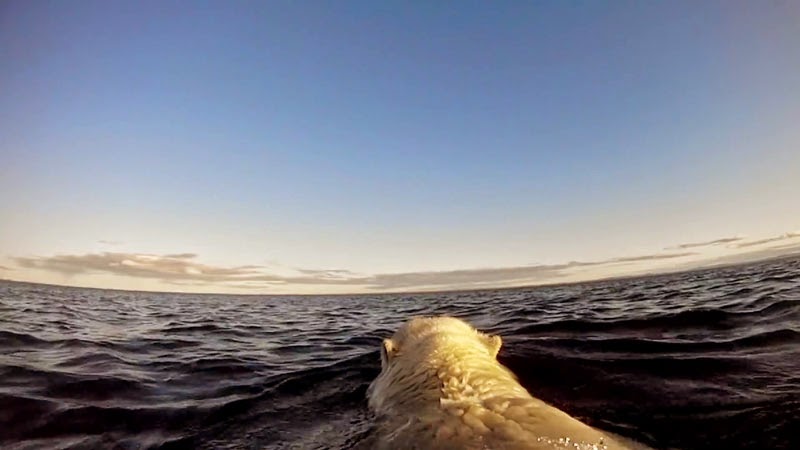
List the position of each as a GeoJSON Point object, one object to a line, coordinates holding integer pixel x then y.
{"type": "Point", "coordinates": [707, 359]}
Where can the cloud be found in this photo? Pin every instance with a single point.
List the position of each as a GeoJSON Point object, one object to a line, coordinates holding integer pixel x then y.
{"type": "Point", "coordinates": [171, 268]}
{"type": "Point", "coordinates": [649, 257]}
{"type": "Point", "coordinates": [5, 268]}
{"type": "Point", "coordinates": [106, 242]}
{"type": "Point", "coordinates": [329, 273]}
{"type": "Point", "coordinates": [183, 269]}
{"type": "Point", "coordinates": [502, 276]}
{"type": "Point", "coordinates": [759, 254]}
{"type": "Point", "coordinates": [782, 237]}
{"type": "Point", "coordinates": [181, 255]}
{"type": "Point", "coordinates": [721, 241]}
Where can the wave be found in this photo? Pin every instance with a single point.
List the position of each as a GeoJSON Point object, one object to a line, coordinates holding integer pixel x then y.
{"type": "Point", "coordinates": [690, 318]}
{"type": "Point", "coordinates": [769, 339]}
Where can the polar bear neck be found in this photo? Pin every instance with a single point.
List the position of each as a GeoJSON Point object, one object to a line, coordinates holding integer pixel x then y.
{"type": "Point", "coordinates": [471, 376]}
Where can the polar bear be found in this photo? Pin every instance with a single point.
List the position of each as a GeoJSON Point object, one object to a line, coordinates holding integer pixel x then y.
{"type": "Point", "coordinates": [442, 388]}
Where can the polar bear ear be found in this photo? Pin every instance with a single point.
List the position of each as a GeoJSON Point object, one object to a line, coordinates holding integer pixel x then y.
{"type": "Point", "coordinates": [493, 343]}
{"type": "Point", "coordinates": [387, 351]}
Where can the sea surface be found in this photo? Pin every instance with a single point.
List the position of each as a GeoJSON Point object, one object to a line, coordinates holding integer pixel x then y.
{"type": "Point", "coordinates": [699, 360]}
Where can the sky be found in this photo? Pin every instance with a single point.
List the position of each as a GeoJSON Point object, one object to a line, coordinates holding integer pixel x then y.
{"type": "Point", "coordinates": [329, 147]}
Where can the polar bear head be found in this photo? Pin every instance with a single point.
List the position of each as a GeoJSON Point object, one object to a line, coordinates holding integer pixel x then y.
{"type": "Point", "coordinates": [431, 333]}
{"type": "Point", "coordinates": [422, 353]}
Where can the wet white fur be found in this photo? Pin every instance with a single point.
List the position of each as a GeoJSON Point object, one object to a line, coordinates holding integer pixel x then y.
{"type": "Point", "coordinates": [441, 387]}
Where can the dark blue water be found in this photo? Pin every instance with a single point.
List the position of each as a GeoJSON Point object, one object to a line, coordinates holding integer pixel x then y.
{"type": "Point", "coordinates": [698, 360]}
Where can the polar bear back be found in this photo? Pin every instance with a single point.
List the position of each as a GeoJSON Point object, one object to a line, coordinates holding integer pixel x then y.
{"type": "Point", "coordinates": [441, 387]}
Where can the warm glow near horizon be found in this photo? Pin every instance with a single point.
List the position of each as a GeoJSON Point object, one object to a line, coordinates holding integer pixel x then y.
{"type": "Point", "coordinates": [314, 148]}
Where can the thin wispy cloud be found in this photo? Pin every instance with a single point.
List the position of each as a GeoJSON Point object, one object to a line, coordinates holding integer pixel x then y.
{"type": "Point", "coordinates": [655, 257]}
{"type": "Point", "coordinates": [783, 237]}
{"type": "Point", "coordinates": [107, 242]}
{"type": "Point", "coordinates": [329, 273]}
{"type": "Point", "coordinates": [721, 241]}
{"type": "Point", "coordinates": [170, 267]}
{"type": "Point", "coordinates": [181, 255]}
{"type": "Point", "coordinates": [502, 276]}
{"type": "Point", "coordinates": [183, 269]}
{"type": "Point", "coordinates": [786, 246]}
{"type": "Point", "coordinates": [757, 254]}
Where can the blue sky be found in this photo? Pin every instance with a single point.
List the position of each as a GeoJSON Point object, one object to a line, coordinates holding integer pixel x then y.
{"type": "Point", "coordinates": [390, 138]}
